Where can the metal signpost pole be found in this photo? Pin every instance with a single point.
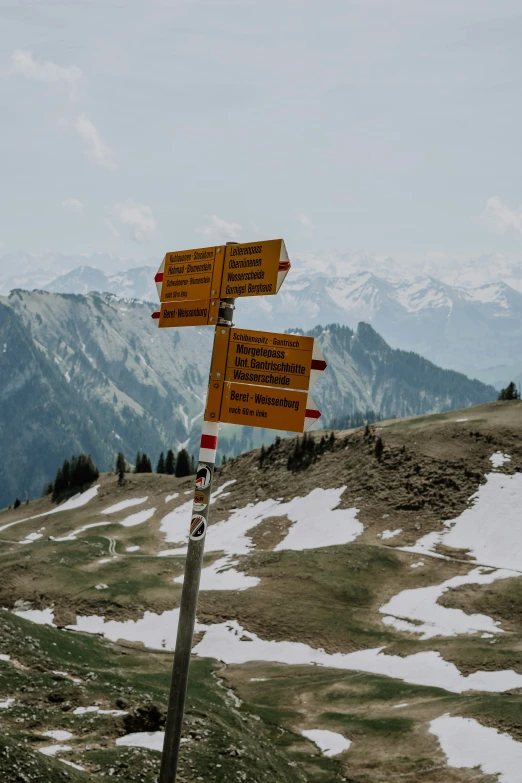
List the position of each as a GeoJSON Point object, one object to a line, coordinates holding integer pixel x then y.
{"type": "Point", "coordinates": [189, 595]}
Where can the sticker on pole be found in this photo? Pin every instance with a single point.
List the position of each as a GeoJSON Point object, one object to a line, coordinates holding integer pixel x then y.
{"type": "Point", "coordinates": [198, 525]}
{"type": "Point", "coordinates": [200, 500]}
{"type": "Point", "coordinates": [203, 477]}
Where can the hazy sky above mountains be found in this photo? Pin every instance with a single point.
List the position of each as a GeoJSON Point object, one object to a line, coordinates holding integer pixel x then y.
{"type": "Point", "coordinates": [138, 127]}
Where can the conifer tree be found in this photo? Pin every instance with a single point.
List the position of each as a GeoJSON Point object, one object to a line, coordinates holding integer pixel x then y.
{"type": "Point", "coordinates": [379, 448]}
{"type": "Point", "coordinates": [509, 393]}
{"type": "Point", "coordinates": [170, 463]}
{"type": "Point", "coordinates": [66, 472]}
{"type": "Point", "coordinates": [58, 487]}
{"type": "Point", "coordinates": [16, 503]}
{"type": "Point", "coordinates": [120, 467]}
{"type": "Point", "coordinates": [160, 468]}
{"type": "Point", "coordinates": [183, 464]}
{"type": "Point", "coordinates": [146, 465]}
{"type": "Point", "coordinates": [192, 464]}
{"type": "Point", "coordinates": [137, 465]}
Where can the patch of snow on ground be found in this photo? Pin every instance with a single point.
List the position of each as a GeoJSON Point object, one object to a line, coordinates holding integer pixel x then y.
{"type": "Point", "coordinates": [94, 708]}
{"type": "Point", "coordinates": [230, 643]}
{"type": "Point", "coordinates": [152, 740]}
{"type": "Point", "coordinates": [221, 489]}
{"type": "Point", "coordinates": [459, 421]}
{"type": "Point", "coordinates": [498, 459]}
{"type": "Point", "coordinates": [329, 742]}
{"type": "Point", "coordinates": [171, 497]}
{"type": "Point", "coordinates": [139, 518]}
{"type": "Point", "coordinates": [68, 676]}
{"type": "Point", "coordinates": [123, 504]}
{"type": "Point", "coordinates": [222, 575]}
{"type": "Point", "coordinates": [390, 533]}
{"type": "Point", "coordinates": [490, 529]}
{"type": "Point", "coordinates": [4, 705]}
{"type": "Point", "coordinates": [32, 537]}
{"type": "Point", "coordinates": [72, 764]}
{"type": "Point", "coordinates": [38, 616]}
{"type": "Point", "coordinates": [430, 618]}
{"type": "Point", "coordinates": [75, 502]}
{"type": "Point", "coordinates": [131, 548]}
{"type": "Point", "coordinates": [52, 750]}
{"type": "Point", "coordinates": [4, 657]}
{"type": "Point", "coordinates": [467, 744]}
{"type": "Point", "coordinates": [157, 631]}
{"type": "Point", "coordinates": [58, 735]}
{"type": "Point", "coordinates": [318, 522]}
{"type": "Point", "coordinates": [400, 706]}
{"type": "Point", "coordinates": [417, 565]}
{"type": "Point", "coordinates": [101, 587]}
{"type": "Point", "coordinates": [175, 525]}
{"type": "Point", "coordinates": [75, 533]}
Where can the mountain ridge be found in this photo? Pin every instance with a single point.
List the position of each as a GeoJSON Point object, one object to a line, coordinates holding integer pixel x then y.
{"type": "Point", "coordinates": [101, 367]}
{"type": "Point", "coordinates": [474, 329]}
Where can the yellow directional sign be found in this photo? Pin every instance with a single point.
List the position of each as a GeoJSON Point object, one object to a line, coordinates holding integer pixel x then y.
{"type": "Point", "coordinates": [245, 362]}
{"type": "Point", "coordinates": [200, 312]}
{"type": "Point", "coordinates": [288, 361]}
{"type": "Point", "coordinates": [249, 269]}
{"type": "Point", "coordinates": [269, 359]}
{"type": "Point", "coordinates": [257, 406]}
{"type": "Point", "coordinates": [188, 275]}
{"type": "Point", "coordinates": [254, 268]}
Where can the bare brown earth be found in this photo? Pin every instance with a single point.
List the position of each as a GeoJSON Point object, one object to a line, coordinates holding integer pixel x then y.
{"type": "Point", "coordinates": [329, 597]}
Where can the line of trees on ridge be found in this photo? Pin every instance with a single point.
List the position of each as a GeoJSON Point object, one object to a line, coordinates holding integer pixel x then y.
{"type": "Point", "coordinates": [180, 465]}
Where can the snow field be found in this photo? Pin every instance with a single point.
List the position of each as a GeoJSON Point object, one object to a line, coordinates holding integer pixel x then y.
{"type": "Point", "coordinates": [123, 504]}
{"type": "Point", "coordinates": [75, 502]}
{"type": "Point", "coordinates": [491, 529]}
{"type": "Point", "coordinates": [329, 742]}
{"type": "Point", "coordinates": [230, 643]}
{"type": "Point", "coordinates": [316, 523]}
{"type": "Point", "coordinates": [467, 744]}
{"type": "Point", "coordinates": [432, 619]}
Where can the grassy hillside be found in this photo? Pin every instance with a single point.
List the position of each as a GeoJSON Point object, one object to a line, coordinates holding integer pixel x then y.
{"type": "Point", "coordinates": [356, 611]}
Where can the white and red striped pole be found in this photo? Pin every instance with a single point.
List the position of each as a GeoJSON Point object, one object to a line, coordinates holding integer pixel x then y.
{"type": "Point", "coordinates": [192, 578]}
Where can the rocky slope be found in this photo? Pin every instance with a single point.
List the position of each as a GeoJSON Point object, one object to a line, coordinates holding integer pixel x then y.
{"type": "Point", "coordinates": [359, 617]}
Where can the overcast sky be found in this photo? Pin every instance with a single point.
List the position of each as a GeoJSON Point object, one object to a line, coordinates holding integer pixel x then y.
{"type": "Point", "coordinates": [136, 127]}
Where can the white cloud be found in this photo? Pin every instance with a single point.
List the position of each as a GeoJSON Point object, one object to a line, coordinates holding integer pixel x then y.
{"type": "Point", "coordinates": [73, 205]}
{"type": "Point", "coordinates": [97, 150]}
{"type": "Point", "coordinates": [500, 217]}
{"type": "Point", "coordinates": [139, 218]}
{"type": "Point", "coordinates": [221, 230]}
{"type": "Point", "coordinates": [23, 64]}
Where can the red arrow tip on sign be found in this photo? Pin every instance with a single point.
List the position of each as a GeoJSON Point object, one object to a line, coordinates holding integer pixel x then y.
{"type": "Point", "coordinates": [319, 364]}
{"type": "Point", "coordinates": [310, 413]}
{"type": "Point", "coordinates": [156, 314]}
{"type": "Point", "coordinates": [284, 265]}
{"type": "Point", "coordinates": [158, 277]}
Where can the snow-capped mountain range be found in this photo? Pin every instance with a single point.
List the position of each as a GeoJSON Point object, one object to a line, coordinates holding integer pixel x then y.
{"type": "Point", "coordinates": [476, 329]}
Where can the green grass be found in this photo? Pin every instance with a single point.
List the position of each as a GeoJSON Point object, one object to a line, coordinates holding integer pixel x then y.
{"type": "Point", "coordinates": [109, 672]}
{"type": "Point", "coordinates": [380, 726]}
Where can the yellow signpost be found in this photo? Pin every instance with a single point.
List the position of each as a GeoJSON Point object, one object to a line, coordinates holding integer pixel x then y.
{"type": "Point", "coordinates": [259, 379]}
{"type": "Point", "coordinates": [275, 409]}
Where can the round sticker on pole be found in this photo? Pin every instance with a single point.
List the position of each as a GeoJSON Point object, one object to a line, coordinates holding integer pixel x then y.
{"type": "Point", "coordinates": [203, 477]}
{"type": "Point", "coordinates": [200, 500]}
{"type": "Point", "coordinates": [198, 525]}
